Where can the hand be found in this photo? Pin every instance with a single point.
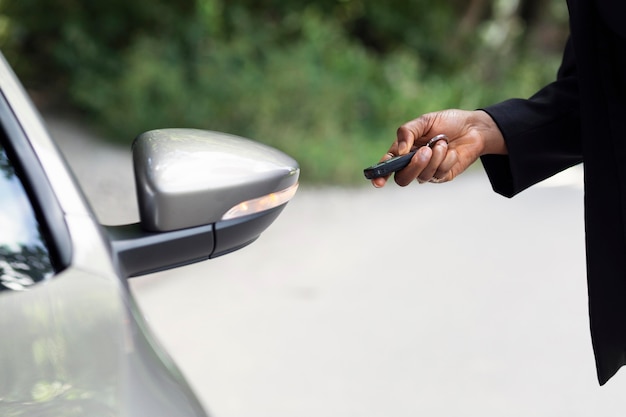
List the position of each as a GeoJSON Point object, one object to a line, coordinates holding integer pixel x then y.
{"type": "Point", "coordinates": [470, 135]}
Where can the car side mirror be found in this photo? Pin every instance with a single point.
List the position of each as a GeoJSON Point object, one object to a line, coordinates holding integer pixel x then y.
{"type": "Point", "coordinates": [201, 194]}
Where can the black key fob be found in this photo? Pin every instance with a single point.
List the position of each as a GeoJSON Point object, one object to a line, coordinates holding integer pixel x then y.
{"type": "Point", "coordinates": [388, 167]}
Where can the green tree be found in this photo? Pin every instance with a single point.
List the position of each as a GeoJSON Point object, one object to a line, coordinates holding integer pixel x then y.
{"type": "Point", "coordinates": [327, 81]}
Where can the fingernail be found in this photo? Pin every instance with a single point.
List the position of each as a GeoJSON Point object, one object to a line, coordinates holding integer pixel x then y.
{"type": "Point", "coordinates": [402, 148]}
{"type": "Point", "coordinates": [425, 153]}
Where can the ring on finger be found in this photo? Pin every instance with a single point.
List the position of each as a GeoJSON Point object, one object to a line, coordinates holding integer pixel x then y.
{"type": "Point", "coordinates": [436, 139]}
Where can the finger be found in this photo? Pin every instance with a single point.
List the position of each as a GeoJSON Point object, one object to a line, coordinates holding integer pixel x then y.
{"type": "Point", "coordinates": [419, 161]}
{"type": "Point", "coordinates": [440, 149]}
{"type": "Point", "coordinates": [380, 182]}
{"type": "Point", "coordinates": [409, 133]}
{"type": "Point", "coordinates": [444, 172]}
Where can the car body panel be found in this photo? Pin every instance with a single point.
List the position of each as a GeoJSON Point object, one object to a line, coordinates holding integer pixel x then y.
{"type": "Point", "coordinates": [67, 353]}
{"type": "Point", "coordinates": [76, 344]}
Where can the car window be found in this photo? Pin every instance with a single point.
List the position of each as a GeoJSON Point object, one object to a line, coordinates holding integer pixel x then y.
{"type": "Point", "coordinates": [24, 257]}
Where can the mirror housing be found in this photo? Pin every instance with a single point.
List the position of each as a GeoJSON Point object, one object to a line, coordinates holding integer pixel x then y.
{"type": "Point", "coordinates": [201, 194]}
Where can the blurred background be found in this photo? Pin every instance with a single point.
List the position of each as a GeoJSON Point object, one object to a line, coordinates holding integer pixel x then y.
{"type": "Point", "coordinates": [326, 81]}
{"type": "Point", "coordinates": [436, 300]}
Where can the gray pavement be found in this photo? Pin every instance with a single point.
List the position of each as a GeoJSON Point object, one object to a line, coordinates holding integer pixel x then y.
{"type": "Point", "coordinates": [432, 300]}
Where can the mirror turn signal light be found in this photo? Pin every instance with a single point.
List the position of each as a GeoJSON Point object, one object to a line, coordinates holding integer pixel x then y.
{"type": "Point", "coordinates": [260, 204]}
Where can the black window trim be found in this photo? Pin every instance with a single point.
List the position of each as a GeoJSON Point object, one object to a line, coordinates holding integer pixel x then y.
{"type": "Point", "coordinates": [45, 204]}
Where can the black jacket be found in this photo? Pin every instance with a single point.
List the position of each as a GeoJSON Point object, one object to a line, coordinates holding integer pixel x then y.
{"type": "Point", "coordinates": [581, 117]}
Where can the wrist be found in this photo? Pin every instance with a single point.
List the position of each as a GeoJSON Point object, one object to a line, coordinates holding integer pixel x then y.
{"type": "Point", "coordinates": [489, 133]}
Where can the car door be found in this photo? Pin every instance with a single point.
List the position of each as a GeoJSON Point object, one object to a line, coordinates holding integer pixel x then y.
{"type": "Point", "coordinates": [72, 341]}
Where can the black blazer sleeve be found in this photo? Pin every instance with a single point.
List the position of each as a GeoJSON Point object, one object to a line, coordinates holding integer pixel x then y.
{"type": "Point", "coordinates": [542, 134]}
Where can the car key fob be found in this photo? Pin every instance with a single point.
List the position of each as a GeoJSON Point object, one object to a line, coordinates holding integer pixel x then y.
{"type": "Point", "coordinates": [388, 167]}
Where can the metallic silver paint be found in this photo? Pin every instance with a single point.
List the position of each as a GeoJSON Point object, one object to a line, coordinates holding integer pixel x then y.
{"type": "Point", "coordinates": [190, 177]}
{"type": "Point", "coordinates": [77, 345]}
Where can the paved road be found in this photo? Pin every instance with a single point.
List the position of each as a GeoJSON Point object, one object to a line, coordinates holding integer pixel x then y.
{"type": "Point", "coordinates": [434, 300]}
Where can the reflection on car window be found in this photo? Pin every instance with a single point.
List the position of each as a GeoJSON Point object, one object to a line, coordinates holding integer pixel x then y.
{"type": "Point", "coordinates": [24, 257]}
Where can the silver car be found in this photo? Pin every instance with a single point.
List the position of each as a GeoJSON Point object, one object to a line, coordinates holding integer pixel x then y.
{"type": "Point", "coordinates": [72, 341]}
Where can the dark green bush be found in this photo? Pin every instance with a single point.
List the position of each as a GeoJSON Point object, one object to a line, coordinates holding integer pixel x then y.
{"type": "Point", "coordinates": [328, 83]}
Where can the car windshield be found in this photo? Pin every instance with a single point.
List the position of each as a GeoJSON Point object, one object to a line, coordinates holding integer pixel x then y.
{"type": "Point", "coordinates": [24, 256]}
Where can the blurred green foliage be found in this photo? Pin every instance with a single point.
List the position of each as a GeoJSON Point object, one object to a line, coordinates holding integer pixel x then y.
{"type": "Point", "coordinates": [326, 81]}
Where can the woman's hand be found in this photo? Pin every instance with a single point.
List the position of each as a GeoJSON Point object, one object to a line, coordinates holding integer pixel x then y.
{"type": "Point", "coordinates": [470, 135]}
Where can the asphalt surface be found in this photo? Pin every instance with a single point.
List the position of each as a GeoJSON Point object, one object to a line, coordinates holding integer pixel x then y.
{"type": "Point", "coordinates": [432, 300]}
